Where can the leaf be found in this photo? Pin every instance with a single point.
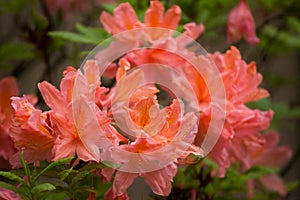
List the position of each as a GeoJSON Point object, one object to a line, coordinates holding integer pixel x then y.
{"type": "Point", "coordinates": [15, 5]}
{"type": "Point", "coordinates": [64, 174]}
{"type": "Point", "coordinates": [84, 188]}
{"type": "Point", "coordinates": [292, 185]}
{"type": "Point", "coordinates": [12, 177]}
{"type": "Point", "coordinates": [16, 51]}
{"type": "Point", "coordinates": [73, 37]}
{"type": "Point", "coordinates": [40, 21]}
{"type": "Point", "coordinates": [294, 23]}
{"type": "Point", "coordinates": [262, 104]}
{"type": "Point", "coordinates": [108, 7]}
{"type": "Point", "coordinates": [8, 186]}
{"type": "Point", "coordinates": [56, 196]}
{"type": "Point", "coordinates": [56, 163]}
{"type": "Point", "coordinates": [42, 188]}
{"type": "Point", "coordinates": [96, 34]}
{"type": "Point", "coordinates": [26, 168]}
{"type": "Point", "coordinates": [258, 171]}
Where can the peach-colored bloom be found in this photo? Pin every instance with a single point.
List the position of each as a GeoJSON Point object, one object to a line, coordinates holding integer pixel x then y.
{"type": "Point", "coordinates": [8, 88]}
{"type": "Point", "coordinates": [237, 75]}
{"type": "Point", "coordinates": [240, 23]}
{"type": "Point", "coordinates": [72, 118]}
{"type": "Point", "coordinates": [30, 133]}
{"type": "Point", "coordinates": [125, 18]}
{"type": "Point", "coordinates": [242, 125]}
{"type": "Point", "coordinates": [159, 181]}
{"type": "Point", "coordinates": [158, 127]}
{"type": "Point", "coordinates": [273, 156]}
{"type": "Point", "coordinates": [8, 195]}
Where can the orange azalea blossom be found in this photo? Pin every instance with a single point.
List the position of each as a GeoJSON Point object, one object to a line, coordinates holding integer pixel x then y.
{"type": "Point", "coordinates": [74, 124]}
{"type": "Point", "coordinates": [8, 88]}
{"type": "Point", "coordinates": [125, 18]}
{"type": "Point", "coordinates": [270, 155]}
{"type": "Point", "coordinates": [31, 133]}
{"type": "Point", "coordinates": [150, 129]}
{"type": "Point", "coordinates": [242, 124]}
{"type": "Point", "coordinates": [240, 23]}
{"type": "Point", "coordinates": [8, 195]}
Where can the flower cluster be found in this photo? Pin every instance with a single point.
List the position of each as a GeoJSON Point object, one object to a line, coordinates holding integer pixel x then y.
{"type": "Point", "coordinates": [84, 116]}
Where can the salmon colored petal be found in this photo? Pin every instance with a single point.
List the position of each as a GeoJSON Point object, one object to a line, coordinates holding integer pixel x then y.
{"type": "Point", "coordinates": [37, 144]}
{"type": "Point", "coordinates": [7, 148]}
{"type": "Point", "coordinates": [125, 16]}
{"type": "Point", "coordinates": [155, 14]}
{"type": "Point", "coordinates": [122, 181]}
{"type": "Point", "coordinates": [90, 133]}
{"type": "Point", "coordinates": [109, 195]}
{"type": "Point", "coordinates": [8, 88]}
{"type": "Point", "coordinates": [274, 183]}
{"type": "Point", "coordinates": [160, 180]}
{"type": "Point", "coordinates": [240, 23]}
{"type": "Point", "coordinates": [109, 23]}
{"type": "Point", "coordinates": [192, 30]}
{"type": "Point", "coordinates": [91, 72]}
{"type": "Point", "coordinates": [52, 97]}
{"type": "Point", "coordinates": [67, 83]}
{"type": "Point", "coordinates": [8, 195]}
{"type": "Point", "coordinates": [172, 18]}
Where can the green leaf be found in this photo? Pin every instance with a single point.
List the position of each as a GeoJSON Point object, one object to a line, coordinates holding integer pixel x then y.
{"type": "Point", "coordinates": [108, 7]}
{"type": "Point", "coordinates": [16, 51]}
{"type": "Point", "coordinates": [15, 5]}
{"type": "Point", "coordinates": [86, 170]}
{"type": "Point", "coordinates": [56, 163]}
{"type": "Point", "coordinates": [262, 104]}
{"type": "Point", "coordinates": [64, 174]}
{"type": "Point", "coordinates": [8, 186]}
{"type": "Point", "coordinates": [26, 168]}
{"type": "Point", "coordinates": [56, 196]}
{"type": "Point", "coordinates": [40, 21]}
{"type": "Point", "coordinates": [95, 34]}
{"type": "Point", "coordinates": [292, 185]}
{"type": "Point", "coordinates": [258, 171]}
{"type": "Point", "coordinates": [12, 177]}
{"type": "Point", "coordinates": [42, 188]}
{"type": "Point", "coordinates": [73, 37]}
{"type": "Point", "coordinates": [294, 23]}
{"type": "Point", "coordinates": [84, 188]}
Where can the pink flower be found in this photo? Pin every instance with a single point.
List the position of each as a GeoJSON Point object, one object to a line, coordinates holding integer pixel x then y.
{"type": "Point", "coordinates": [8, 195]}
{"type": "Point", "coordinates": [8, 88]}
{"type": "Point", "coordinates": [30, 133]}
{"type": "Point", "coordinates": [237, 75]}
{"type": "Point", "coordinates": [240, 24]}
{"type": "Point", "coordinates": [159, 181]}
{"type": "Point", "coordinates": [125, 18]}
{"type": "Point", "coordinates": [72, 118]}
{"type": "Point", "coordinates": [270, 155]}
{"type": "Point", "coordinates": [242, 125]}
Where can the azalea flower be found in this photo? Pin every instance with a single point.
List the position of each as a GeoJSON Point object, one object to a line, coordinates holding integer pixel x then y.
{"type": "Point", "coordinates": [125, 18]}
{"type": "Point", "coordinates": [150, 128]}
{"type": "Point", "coordinates": [8, 195]}
{"type": "Point", "coordinates": [242, 125]}
{"type": "Point", "coordinates": [30, 133]}
{"type": "Point", "coordinates": [8, 88]}
{"type": "Point", "coordinates": [272, 156]}
{"type": "Point", "coordinates": [240, 23]}
{"type": "Point", "coordinates": [72, 117]}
